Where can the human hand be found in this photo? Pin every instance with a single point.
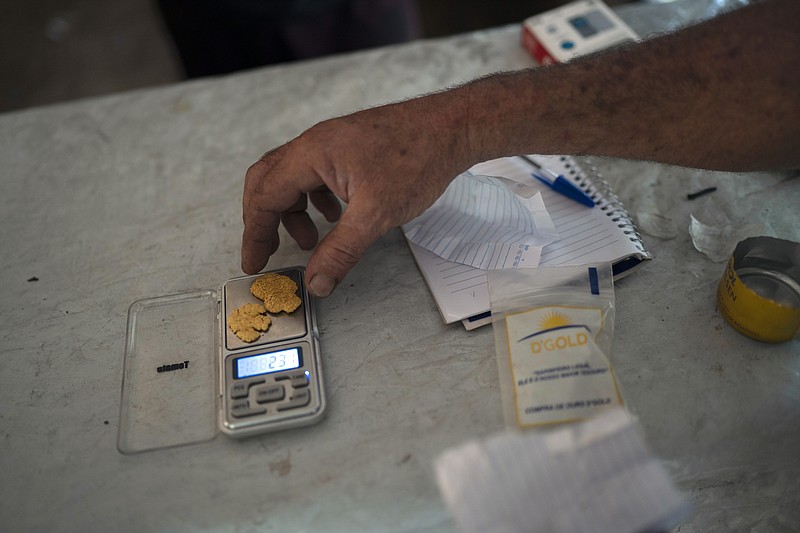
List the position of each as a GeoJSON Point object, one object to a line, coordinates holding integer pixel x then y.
{"type": "Point", "coordinates": [388, 164]}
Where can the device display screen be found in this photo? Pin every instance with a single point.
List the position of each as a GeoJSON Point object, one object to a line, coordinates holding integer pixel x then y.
{"type": "Point", "coordinates": [591, 23]}
{"type": "Point", "coordinates": [266, 363]}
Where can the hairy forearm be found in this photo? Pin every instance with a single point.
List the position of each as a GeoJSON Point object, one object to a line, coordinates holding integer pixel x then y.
{"type": "Point", "coordinates": [724, 95]}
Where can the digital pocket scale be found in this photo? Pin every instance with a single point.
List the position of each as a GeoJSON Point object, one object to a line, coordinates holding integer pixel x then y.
{"type": "Point", "coordinates": [187, 377]}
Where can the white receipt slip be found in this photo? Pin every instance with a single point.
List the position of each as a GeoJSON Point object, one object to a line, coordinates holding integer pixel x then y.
{"type": "Point", "coordinates": [592, 477]}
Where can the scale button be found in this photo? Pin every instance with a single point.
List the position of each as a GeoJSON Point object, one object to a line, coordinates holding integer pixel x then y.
{"type": "Point", "coordinates": [242, 389]}
{"type": "Point", "coordinates": [269, 393]}
{"type": "Point", "coordinates": [241, 408]}
{"type": "Point", "coordinates": [300, 398]}
{"type": "Point", "coordinates": [298, 379]}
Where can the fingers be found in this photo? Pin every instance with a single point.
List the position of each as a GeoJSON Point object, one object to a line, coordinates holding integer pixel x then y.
{"type": "Point", "coordinates": [299, 225]}
{"type": "Point", "coordinates": [326, 203]}
{"type": "Point", "coordinates": [274, 187]}
{"type": "Point", "coordinates": [259, 241]}
{"type": "Point", "coordinates": [339, 251]}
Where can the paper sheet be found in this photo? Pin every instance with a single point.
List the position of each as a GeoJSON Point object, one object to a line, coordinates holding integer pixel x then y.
{"type": "Point", "coordinates": [586, 235]}
{"type": "Point", "coordinates": [592, 477]}
{"type": "Point", "coordinates": [479, 222]}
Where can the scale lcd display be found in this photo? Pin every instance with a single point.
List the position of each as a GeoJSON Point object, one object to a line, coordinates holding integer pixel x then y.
{"type": "Point", "coordinates": [267, 363]}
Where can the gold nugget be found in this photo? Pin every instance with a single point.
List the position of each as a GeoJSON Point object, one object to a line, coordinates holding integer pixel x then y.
{"type": "Point", "coordinates": [249, 321]}
{"type": "Point", "coordinates": [278, 292]}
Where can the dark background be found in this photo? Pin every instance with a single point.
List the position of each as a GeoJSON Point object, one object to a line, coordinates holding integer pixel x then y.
{"type": "Point", "coordinates": [57, 50]}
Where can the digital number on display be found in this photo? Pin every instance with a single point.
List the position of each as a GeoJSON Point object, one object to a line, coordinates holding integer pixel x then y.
{"type": "Point", "coordinates": [266, 363]}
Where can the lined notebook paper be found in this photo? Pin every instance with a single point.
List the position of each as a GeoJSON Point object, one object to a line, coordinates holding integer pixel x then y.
{"type": "Point", "coordinates": [604, 233]}
{"type": "Point", "coordinates": [478, 221]}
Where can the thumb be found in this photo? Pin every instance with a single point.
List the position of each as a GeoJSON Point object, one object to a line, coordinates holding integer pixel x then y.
{"type": "Point", "coordinates": [338, 252]}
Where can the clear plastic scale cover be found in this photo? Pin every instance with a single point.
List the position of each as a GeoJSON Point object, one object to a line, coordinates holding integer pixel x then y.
{"type": "Point", "coordinates": [169, 390]}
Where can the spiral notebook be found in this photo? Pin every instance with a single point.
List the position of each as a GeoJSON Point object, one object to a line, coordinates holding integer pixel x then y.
{"type": "Point", "coordinates": [604, 233]}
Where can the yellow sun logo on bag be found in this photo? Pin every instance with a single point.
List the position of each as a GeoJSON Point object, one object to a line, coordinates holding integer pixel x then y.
{"type": "Point", "coordinates": [554, 319]}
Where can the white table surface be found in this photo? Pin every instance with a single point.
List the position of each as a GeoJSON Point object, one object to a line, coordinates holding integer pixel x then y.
{"type": "Point", "coordinates": [135, 195]}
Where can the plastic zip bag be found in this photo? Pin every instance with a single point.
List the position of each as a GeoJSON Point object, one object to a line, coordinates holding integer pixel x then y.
{"type": "Point", "coordinates": [553, 330]}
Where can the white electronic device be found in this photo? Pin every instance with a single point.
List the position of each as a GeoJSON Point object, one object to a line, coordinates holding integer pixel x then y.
{"type": "Point", "coordinates": [572, 30]}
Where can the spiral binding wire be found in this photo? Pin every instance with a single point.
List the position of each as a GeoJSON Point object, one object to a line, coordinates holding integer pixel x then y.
{"type": "Point", "coordinates": [598, 189]}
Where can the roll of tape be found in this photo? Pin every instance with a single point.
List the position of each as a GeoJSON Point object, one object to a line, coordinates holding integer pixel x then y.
{"type": "Point", "coordinates": [759, 293]}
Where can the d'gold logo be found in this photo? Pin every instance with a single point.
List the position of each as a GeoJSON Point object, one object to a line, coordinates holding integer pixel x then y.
{"type": "Point", "coordinates": [560, 342]}
{"type": "Point", "coordinates": [554, 322]}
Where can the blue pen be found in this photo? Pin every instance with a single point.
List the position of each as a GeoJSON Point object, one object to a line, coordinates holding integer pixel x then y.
{"type": "Point", "coordinates": [558, 183]}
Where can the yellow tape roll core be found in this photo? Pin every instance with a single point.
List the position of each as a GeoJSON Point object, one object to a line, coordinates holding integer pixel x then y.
{"type": "Point", "coordinates": [749, 312]}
